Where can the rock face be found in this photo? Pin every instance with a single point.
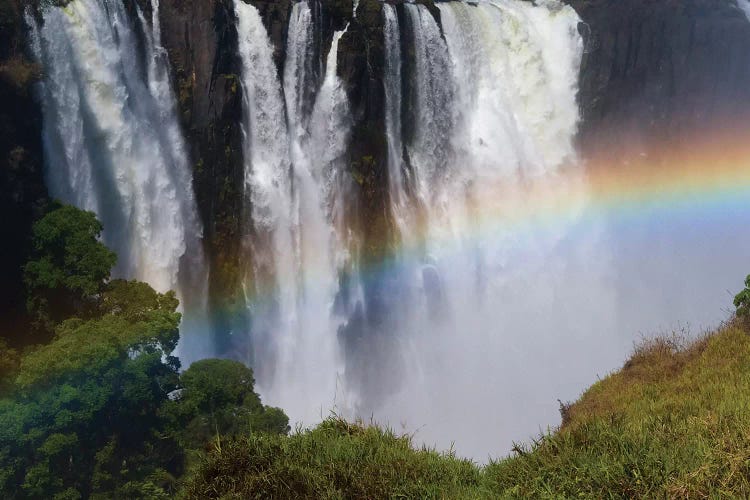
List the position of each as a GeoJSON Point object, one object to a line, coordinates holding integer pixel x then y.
{"type": "Point", "coordinates": [201, 39]}
{"type": "Point", "coordinates": [661, 70]}
{"type": "Point", "coordinates": [653, 70]}
{"type": "Point", "coordinates": [361, 68]}
{"type": "Point", "coordinates": [22, 191]}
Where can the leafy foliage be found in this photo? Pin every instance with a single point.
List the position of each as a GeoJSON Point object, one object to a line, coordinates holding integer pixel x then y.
{"type": "Point", "coordinates": [9, 362]}
{"type": "Point", "coordinates": [218, 400]}
{"type": "Point", "coordinates": [742, 301]}
{"type": "Point", "coordinates": [92, 413]}
{"type": "Point", "coordinates": [69, 266]}
{"type": "Point", "coordinates": [85, 417]}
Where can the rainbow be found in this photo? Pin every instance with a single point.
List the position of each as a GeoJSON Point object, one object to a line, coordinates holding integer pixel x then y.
{"type": "Point", "coordinates": [712, 173]}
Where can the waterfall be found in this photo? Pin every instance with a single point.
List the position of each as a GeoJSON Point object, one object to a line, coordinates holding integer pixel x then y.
{"type": "Point", "coordinates": [429, 150]}
{"type": "Point", "coordinates": [489, 126]}
{"type": "Point", "coordinates": [486, 124]}
{"type": "Point", "coordinates": [113, 144]}
{"type": "Point", "coordinates": [292, 149]}
{"type": "Point", "coordinates": [479, 298]}
{"type": "Point", "coordinates": [745, 6]}
{"type": "Point", "coordinates": [392, 82]}
{"type": "Point", "coordinates": [299, 78]}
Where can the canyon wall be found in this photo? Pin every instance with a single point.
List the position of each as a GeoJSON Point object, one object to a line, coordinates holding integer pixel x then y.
{"type": "Point", "coordinates": [652, 70]}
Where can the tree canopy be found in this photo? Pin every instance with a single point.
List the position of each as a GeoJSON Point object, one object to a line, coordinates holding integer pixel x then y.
{"type": "Point", "coordinates": [69, 266]}
{"type": "Point", "coordinates": [218, 399]}
{"type": "Point", "coordinates": [98, 408]}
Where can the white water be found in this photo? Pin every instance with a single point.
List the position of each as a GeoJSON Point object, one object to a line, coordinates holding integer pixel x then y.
{"type": "Point", "coordinates": [392, 83]}
{"type": "Point", "coordinates": [292, 180]}
{"type": "Point", "coordinates": [508, 314]}
{"type": "Point", "coordinates": [298, 77]}
{"type": "Point", "coordinates": [745, 6]}
{"type": "Point", "coordinates": [434, 104]}
{"type": "Point", "coordinates": [113, 145]}
{"type": "Point", "coordinates": [495, 120]}
{"type": "Point", "coordinates": [484, 126]}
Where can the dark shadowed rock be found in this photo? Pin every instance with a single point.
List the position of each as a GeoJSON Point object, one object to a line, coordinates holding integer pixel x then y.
{"type": "Point", "coordinates": [658, 70]}
{"type": "Point", "coordinates": [201, 39]}
{"type": "Point", "coordinates": [22, 190]}
{"type": "Point", "coordinates": [653, 70]}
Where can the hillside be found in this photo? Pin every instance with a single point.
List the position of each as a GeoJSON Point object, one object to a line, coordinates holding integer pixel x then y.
{"type": "Point", "coordinates": [674, 421]}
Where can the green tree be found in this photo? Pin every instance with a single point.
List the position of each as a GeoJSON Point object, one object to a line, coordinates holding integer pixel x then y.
{"type": "Point", "coordinates": [218, 397]}
{"type": "Point", "coordinates": [68, 269]}
{"type": "Point", "coordinates": [96, 411]}
{"type": "Point", "coordinates": [742, 301]}
{"type": "Point", "coordinates": [9, 361]}
{"type": "Point", "coordinates": [85, 419]}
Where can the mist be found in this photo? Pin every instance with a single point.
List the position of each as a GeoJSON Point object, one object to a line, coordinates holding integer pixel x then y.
{"type": "Point", "coordinates": [511, 288]}
{"type": "Point", "coordinates": [509, 283]}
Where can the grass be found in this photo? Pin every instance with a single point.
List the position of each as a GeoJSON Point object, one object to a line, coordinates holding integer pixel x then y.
{"type": "Point", "coordinates": [336, 460]}
{"type": "Point", "coordinates": [674, 422]}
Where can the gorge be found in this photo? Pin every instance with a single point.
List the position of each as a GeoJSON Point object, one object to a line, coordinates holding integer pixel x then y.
{"type": "Point", "coordinates": [399, 210]}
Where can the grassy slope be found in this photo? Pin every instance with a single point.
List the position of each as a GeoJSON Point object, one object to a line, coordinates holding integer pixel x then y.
{"type": "Point", "coordinates": [675, 421]}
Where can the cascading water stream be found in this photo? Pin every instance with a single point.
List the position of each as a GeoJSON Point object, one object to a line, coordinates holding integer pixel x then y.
{"type": "Point", "coordinates": [393, 82]}
{"type": "Point", "coordinates": [299, 73]}
{"type": "Point", "coordinates": [113, 145]}
{"type": "Point", "coordinates": [291, 178]}
{"type": "Point", "coordinates": [483, 138]}
{"type": "Point", "coordinates": [429, 150]}
{"type": "Point", "coordinates": [268, 186]}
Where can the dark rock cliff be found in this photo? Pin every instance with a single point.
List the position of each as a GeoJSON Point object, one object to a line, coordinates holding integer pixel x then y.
{"type": "Point", "coordinates": [653, 70]}
{"type": "Point", "coordinates": [660, 70]}
{"type": "Point", "coordinates": [201, 39]}
{"type": "Point", "coordinates": [22, 190]}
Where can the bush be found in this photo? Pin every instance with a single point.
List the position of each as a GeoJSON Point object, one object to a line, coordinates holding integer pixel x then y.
{"type": "Point", "coordinates": [217, 399]}
{"type": "Point", "coordinates": [742, 302]}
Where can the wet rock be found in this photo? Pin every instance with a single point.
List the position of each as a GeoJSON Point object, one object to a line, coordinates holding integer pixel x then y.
{"type": "Point", "coordinates": [22, 191]}
{"type": "Point", "coordinates": [656, 71]}
{"type": "Point", "coordinates": [201, 39]}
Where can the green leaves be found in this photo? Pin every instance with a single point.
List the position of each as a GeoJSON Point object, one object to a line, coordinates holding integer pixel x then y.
{"type": "Point", "coordinates": [742, 301]}
{"type": "Point", "coordinates": [94, 411]}
{"type": "Point", "coordinates": [84, 419]}
{"type": "Point", "coordinates": [69, 253]}
{"type": "Point", "coordinates": [218, 398]}
{"type": "Point", "coordinates": [69, 266]}
{"type": "Point", "coordinates": [212, 384]}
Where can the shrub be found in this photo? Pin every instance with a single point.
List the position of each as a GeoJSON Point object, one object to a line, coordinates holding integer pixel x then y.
{"type": "Point", "coordinates": [742, 302]}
